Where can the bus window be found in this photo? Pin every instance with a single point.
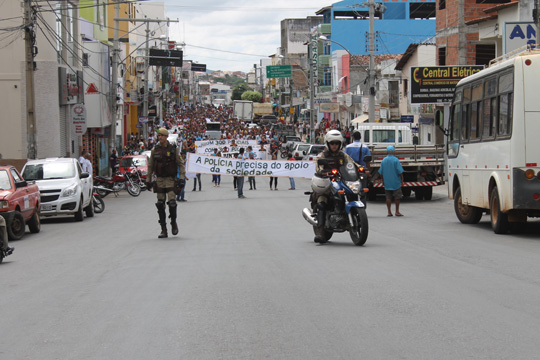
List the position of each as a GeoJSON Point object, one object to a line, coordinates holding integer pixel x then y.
{"type": "Point", "coordinates": [487, 119]}
{"type": "Point", "coordinates": [456, 120]}
{"type": "Point", "coordinates": [465, 116]}
{"type": "Point", "coordinates": [476, 110]}
{"type": "Point", "coordinates": [506, 83]}
{"type": "Point", "coordinates": [505, 114]}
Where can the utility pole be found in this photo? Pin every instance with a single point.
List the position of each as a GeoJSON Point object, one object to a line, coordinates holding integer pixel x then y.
{"type": "Point", "coordinates": [536, 19]}
{"type": "Point", "coordinates": [146, 61]}
{"type": "Point", "coordinates": [30, 54]}
{"type": "Point", "coordinates": [311, 92]}
{"type": "Point", "coordinates": [371, 80]}
{"type": "Point", "coordinates": [114, 85]}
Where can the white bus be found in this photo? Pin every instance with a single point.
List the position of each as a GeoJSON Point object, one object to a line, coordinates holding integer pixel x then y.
{"type": "Point", "coordinates": [213, 130]}
{"type": "Point", "coordinates": [493, 145]}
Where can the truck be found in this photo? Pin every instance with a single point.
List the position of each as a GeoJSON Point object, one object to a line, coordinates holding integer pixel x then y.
{"type": "Point", "coordinates": [261, 109]}
{"type": "Point", "coordinates": [243, 110]}
{"type": "Point", "coordinates": [423, 165]}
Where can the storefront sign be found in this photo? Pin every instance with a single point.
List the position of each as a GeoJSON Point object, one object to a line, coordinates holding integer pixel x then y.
{"type": "Point", "coordinates": [78, 120]}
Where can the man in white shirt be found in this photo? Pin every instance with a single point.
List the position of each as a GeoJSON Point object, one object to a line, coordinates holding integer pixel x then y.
{"type": "Point", "coordinates": [87, 164]}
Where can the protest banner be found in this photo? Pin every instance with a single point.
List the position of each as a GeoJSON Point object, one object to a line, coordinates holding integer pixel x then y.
{"type": "Point", "coordinates": [203, 164]}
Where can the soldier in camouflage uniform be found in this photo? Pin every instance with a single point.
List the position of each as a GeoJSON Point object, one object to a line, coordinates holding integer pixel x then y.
{"type": "Point", "coordinates": [165, 163]}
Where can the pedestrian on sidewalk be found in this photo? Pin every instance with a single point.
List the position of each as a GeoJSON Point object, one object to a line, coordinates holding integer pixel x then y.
{"type": "Point", "coordinates": [391, 173]}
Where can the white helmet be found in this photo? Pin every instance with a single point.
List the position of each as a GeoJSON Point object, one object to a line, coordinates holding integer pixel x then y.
{"type": "Point", "coordinates": [333, 135]}
{"type": "Point", "coordinates": [319, 184]}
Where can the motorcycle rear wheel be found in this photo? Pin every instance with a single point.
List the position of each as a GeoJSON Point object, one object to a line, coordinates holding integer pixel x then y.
{"type": "Point", "coordinates": [102, 192]}
{"type": "Point", "coordinates": [359, 227]}
{"type": "Point", "coordinates": [133, 189]}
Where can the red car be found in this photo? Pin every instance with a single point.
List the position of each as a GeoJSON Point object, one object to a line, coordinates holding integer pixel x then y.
{"type": "Point", "coordinates": [19, 203]}
{"type": "Point", "coordinates": [127, 163]}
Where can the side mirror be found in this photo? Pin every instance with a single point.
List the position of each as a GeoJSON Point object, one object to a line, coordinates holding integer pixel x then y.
{"type": "Point", "coordinates": [20, 184]}
{"type": "Point", "coordinates": [367, 158]}
{"type": "Point", "coordinates": [84, 175]}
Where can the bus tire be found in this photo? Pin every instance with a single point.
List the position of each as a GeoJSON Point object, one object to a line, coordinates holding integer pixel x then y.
{"type": "Point", "coordinates": [466, 214]}
{"type": "Point", "coordinates": [499, 220]}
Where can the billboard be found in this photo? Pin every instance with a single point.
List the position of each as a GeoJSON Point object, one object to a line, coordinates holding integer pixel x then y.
{"type": "Point", "coordinates": [518, 34]}
{"type": "Point", "coordinates": [435, 84]}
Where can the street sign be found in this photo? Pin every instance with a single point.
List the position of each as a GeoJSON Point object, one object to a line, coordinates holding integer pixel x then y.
{"type": "Point", "coordinates": [198, 67]}
{"type": "Point", "coordinates": [278, 71]}
{"type": "Point", "coordinates": [165, 57]}
{"type": "Point", "coordinates": [92, 89]}
{"type": "Point", "coordinates": [143, 119]}
{"type": "Point", "coordinates": [436, 84]}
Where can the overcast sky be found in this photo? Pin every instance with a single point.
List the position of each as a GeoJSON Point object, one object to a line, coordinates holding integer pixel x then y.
{"type": "Point", "coordinates": [233, 34]}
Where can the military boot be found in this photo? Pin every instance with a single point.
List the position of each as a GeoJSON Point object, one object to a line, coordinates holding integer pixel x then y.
{"type": "Point", "coordinates": [162, 218]}
{"type": "Point", "coordinates": [172, 215]}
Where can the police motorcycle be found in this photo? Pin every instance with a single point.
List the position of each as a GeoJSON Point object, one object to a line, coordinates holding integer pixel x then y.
{"type": "Point", "coordinates": [343, 211]}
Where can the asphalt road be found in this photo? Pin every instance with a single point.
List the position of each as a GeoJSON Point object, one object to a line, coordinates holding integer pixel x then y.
{"type": "Point", "coordinates": [244, 280]}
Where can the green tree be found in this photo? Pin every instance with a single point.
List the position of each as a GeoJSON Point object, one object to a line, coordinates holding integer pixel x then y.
{"type": "Point", "coordinates": [254, 96]}
{"type": "Point", "coordinates": [238, 90]}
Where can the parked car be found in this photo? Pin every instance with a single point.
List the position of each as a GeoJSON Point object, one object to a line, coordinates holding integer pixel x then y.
{"type": "Point", "coordinates": [268, 119]}
{"type": "Point", "coordinates": [64, 188]}
{"type": "Point", "coordinates": [312, 152]}
{"type": "Point", "coordinates": [127, 163]}
{"type": "Point", "coordinates": [299, 150]}
{"type": "Point", "coordinates": [19, 203]}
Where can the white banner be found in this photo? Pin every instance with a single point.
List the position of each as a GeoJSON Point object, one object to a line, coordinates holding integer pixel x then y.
{"type": "Point", "coordinates": [207, 147]}
{"type": "Point", "coordinates": [224, 166]}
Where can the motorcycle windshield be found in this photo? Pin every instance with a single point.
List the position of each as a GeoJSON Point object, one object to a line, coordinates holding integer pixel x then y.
{"type": "Point", "coordinates": [348, 172]}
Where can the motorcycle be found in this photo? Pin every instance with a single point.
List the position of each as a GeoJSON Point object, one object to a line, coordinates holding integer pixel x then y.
{"type": "Point", "coordinates": [138, 178]}
{"type": "Point", "coordinates": [117, 183]}
{"type": "Point", "coordinates": [344, 211]}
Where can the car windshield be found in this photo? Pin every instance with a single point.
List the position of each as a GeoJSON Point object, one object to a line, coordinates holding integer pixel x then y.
{"type": "Point", "coordinates": [48, 171]}
{"type": "Point", "coordinates": [4, 180]}
{"type": "Point", "coordinates": [302, 147]}
{"type": "Point", "coordinates": [132, 161]}
{"type": "Point", "coordinates": [316, 150]}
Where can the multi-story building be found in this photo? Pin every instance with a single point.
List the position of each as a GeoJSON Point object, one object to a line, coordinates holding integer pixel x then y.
{"type": "Point", "coordinates": [57, 85]}
{"type": "Point", "coordinates": [472, 32]}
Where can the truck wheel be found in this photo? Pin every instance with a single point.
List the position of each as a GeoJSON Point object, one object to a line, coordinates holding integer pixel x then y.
{"type": "Point", "coordinates": [428, 193]}
{"type": "Point", "coordinates": [465, 213]}
{"type": "Point", "coordinates": [419, 193]}
{"type": "Point", "coordinates": [406, 192]}
{"type": "Point", "coordinates": [16, 227]}
{"type": "Point", "coordinates": [499, 220]}
{"type": "Point", "coordinates": [34, 224]}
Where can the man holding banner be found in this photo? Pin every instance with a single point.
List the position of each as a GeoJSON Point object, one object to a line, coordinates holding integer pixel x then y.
{"type": "Point", "coordinates": [240, 179]}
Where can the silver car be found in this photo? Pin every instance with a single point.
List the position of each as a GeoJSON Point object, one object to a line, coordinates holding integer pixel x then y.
{"type": "Point", "coordinates": [313, 151]}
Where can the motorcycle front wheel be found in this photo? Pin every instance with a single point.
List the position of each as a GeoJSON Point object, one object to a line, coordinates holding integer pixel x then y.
{"type": "Point", "coordinates": [99, 205]}
{"type": "Point", "coordinates": [133, 189]}
{"type": "Point", "coordinates": [359, 227]}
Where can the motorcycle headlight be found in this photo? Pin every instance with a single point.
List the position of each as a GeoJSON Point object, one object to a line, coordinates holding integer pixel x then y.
{"type": "Point", "coordinates": [355, 186]}
{"type": "Point", "coordinates": [70, 191]}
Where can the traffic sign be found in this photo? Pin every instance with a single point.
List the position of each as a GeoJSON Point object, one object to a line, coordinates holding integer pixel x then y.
{"type": "Point", "coordinates": [165, 57]}
{"type": "Point", "coordinates": [278, 71]}
{"type": "Point", "coordinates": [198, 67]}
{"type": "Point", "coordinates": [92, 89]}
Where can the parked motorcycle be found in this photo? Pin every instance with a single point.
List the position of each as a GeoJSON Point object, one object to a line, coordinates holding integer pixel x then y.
{"type": "Point", "coordinates": [344, 211]}
{"type": "Point", "coordinates": [138, 177]}
{"type": "Point", "coordinates": [117, 183]}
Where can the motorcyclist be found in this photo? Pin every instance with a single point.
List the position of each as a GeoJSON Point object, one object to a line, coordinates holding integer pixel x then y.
{"type": "Point", "coordinates": [334, 142]}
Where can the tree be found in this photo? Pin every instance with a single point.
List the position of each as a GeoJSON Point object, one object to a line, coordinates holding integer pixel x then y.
{"type": "Point", "coordinates": [254, 96]}
{"type": "Point", "coordinates": [238, 90]}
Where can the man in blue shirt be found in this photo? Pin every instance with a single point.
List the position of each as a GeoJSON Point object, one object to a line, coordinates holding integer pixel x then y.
{"type": "Point", "coordinates": [357, 150]}
{"type": "Point", "coordinates": [391, 173]}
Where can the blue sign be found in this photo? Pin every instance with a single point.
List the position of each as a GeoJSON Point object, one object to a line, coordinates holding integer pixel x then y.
{"type": "Point", "coordinates": [407, 118]}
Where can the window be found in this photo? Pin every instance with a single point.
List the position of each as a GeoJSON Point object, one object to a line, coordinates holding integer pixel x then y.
{"type": "Point", "coordinates": [442, 4]}
{"type": "Point", "coordinates": [386, 136]}
{"type": "Point", "coordinates": [506, 88]}
{"type": "Point", "coordinates": [489, 114]}
{"type": "Point", "coordinates": [484, 54]}
{"type": "Point", "coordinates": [442, 56]}
{"type": "Point", "coordinates": [476, 110]}
{"type": "Point", "coordinates": [421, 10]}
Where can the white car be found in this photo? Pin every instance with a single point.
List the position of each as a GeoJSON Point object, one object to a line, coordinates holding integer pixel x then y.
{"type": "Point", "coordinates": [64, 188]}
